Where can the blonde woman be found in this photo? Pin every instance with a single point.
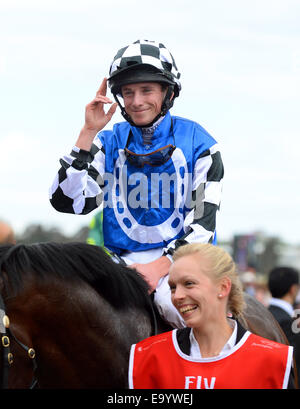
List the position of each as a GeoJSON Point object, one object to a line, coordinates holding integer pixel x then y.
{"type": "Point", "coordinates": [213, 351]}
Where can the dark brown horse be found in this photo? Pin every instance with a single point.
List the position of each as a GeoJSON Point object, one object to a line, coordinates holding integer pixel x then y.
{"type": "Point", "coordinates": [74, 314]}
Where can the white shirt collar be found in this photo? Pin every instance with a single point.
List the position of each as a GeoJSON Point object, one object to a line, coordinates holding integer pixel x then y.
{"type": "Point", "coordinates": [286, 306]}
{"type": "Point", "coordinates": [195, 350]}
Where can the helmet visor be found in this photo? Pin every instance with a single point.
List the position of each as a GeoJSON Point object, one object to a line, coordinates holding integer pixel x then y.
{"type": "Point", "coordinates": [134, 75]}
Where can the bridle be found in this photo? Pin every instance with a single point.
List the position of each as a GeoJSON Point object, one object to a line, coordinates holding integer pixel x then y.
{"type": "Point", "coordinates": [7, 357]}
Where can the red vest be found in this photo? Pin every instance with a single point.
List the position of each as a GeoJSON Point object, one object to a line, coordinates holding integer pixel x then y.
{"type": "Point", "coordinates": [254, 363]}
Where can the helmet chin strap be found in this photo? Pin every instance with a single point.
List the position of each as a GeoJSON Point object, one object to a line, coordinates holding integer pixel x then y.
{"type": "Point", "coordinates": [166, 105]}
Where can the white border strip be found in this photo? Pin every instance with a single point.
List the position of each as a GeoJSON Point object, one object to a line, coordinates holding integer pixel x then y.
{"type": "Point", "coordinates": [130, 369]}
{"type": "Point", "coordinates": [288, 368]}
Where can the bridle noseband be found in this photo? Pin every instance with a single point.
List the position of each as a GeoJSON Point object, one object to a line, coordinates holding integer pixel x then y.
{"type": "Point", "coordinates": [7, 356]}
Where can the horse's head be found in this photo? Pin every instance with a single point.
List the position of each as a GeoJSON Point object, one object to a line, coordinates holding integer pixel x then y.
{"type": "Point", "coordinates": [17, 360]}
{"type": "Point", "coordinates": [77, 309]}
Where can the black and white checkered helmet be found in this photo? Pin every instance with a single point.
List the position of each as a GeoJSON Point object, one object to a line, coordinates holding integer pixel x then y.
{"type": "Point", "coordinates": [143, 61]}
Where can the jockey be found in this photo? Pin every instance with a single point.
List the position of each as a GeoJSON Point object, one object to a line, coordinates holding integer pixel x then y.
{"type": "Point", "coordinates": [158, 176]}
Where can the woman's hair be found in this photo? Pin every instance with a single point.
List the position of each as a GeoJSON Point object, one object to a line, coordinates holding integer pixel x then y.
{"type": "Point", "coordinates": [222, 265]}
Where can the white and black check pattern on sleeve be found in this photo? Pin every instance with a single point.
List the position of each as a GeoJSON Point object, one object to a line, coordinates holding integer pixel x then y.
{"type": "Point", "coordinates": [200, 222]}
{"type": "Point", "coordinates": [77, 186]}
{"type": "Point", "coordinates": [77, 189]}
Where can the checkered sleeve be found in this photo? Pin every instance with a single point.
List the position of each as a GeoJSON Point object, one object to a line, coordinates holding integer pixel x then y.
{"type": "Point", "coordinates": [200, 221]}
{"type": "Point", "coordinates": [77, 187]}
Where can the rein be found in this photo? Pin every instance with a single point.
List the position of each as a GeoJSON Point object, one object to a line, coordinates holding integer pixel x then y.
{"type": "Point", "coordinates": [7, 356]}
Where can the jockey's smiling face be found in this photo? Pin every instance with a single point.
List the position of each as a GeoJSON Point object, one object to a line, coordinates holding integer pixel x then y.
{"type": "Point", "coordinates": [143, 101]}
{"type": "Point", "coordinates": [193, 292]}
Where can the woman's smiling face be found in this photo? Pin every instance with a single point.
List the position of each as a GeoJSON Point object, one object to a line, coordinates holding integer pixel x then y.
{"type": "Point", "coordinates": [193, 292]}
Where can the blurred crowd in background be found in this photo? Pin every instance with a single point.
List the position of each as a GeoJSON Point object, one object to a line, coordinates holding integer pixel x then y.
{"type": "Point", "coordinates": [254, 254]}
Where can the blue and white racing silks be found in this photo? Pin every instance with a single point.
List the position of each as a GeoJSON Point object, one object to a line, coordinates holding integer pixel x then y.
{"type": "Point", "coordinates": [150, 207]}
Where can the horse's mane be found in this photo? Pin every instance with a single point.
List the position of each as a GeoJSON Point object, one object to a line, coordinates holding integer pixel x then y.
{"type": "Point", "coordinates": [119, 285]}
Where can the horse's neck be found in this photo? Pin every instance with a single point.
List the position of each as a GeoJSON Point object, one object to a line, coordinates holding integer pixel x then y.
{"type": "Point", "coordinates": [159, 325]}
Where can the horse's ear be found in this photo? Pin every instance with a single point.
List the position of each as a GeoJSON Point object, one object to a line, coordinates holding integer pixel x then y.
{"type": "Point", "coordinates": [1, 282]}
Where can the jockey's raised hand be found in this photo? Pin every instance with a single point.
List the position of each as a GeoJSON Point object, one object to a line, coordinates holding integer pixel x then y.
{"type": "Point", "coordinates": [95, 117]}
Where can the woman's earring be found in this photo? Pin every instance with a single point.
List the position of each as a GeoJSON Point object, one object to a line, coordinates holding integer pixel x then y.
{"type": "Point", "coordinates": [220, 295]}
